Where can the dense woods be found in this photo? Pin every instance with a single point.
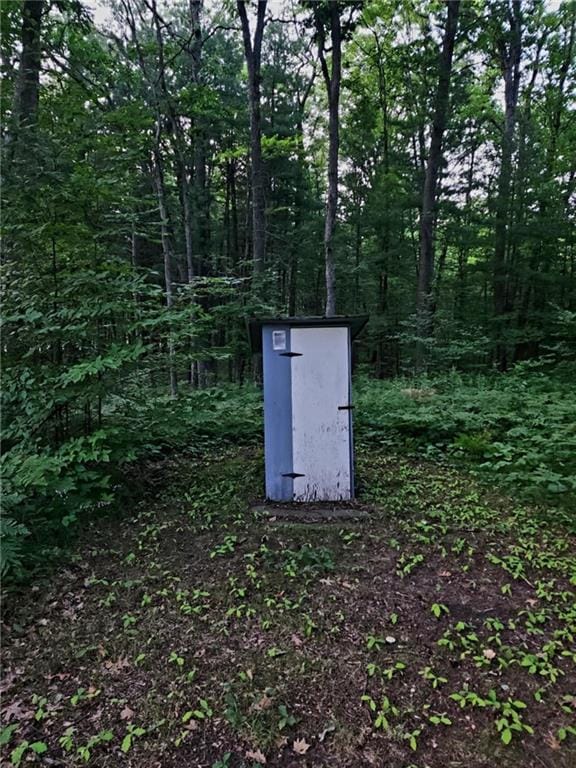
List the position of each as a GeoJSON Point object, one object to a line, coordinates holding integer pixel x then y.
{"type": "Point", "coordinates": [172, 169]}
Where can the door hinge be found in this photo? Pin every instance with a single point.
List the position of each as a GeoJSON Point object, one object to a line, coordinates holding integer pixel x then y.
{"type": "Point", "coordinates": [293, 475]}
{"type": "Point", "coordinates": [345, 407]}
{"type": "Point", "coordinates": [291, 354]}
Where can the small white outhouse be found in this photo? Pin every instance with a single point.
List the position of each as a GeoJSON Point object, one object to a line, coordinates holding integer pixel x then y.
{"type": "Point", "coordinates": [307, 406]}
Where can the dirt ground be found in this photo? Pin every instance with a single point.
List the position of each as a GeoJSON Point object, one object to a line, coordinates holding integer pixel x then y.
{"type": "Point", "coordinates": [435, 630]}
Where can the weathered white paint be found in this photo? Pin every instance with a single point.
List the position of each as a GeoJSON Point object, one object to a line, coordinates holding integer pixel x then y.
{"type": "Point", "coordinates": [320, 432]}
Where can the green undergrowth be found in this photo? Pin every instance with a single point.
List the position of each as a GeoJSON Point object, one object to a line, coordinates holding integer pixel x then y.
{"type": "Point", "coordinates": [519, 430]}
{"type": "Point", "coordinates": [49, 491]}
{"type": "Point", "coordinates": [516, 430]}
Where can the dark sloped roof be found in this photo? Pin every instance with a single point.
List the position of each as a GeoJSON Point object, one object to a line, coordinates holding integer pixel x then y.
{"type": "Point", "coordinates": [354, 322]}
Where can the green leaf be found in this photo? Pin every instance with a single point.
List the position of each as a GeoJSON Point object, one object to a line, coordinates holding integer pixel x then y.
{"type": "Point", "coordinates": [6, 734]}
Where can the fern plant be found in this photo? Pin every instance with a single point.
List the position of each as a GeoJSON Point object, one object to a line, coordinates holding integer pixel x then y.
{"type": "Point", "coordinates": [11, 535]}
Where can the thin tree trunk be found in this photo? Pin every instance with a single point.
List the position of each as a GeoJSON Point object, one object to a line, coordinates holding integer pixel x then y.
{"type": "Point", "coordinates": [527, 284]}
{"type": "Point", "coordinates": [253, 55]}
{"type": "Point", "coordinates": [510, 64]}
{"type": "Point", "coordinates": [544, 255]}
{"type": "Point", "coordinates": [332, 78]}
{"type": "Point", "coordinates": [299, 197]}
{"type": "Point", "coordinates": [157, 162]}
{"type": "Point", "coordinates": [424, 297]}
{"type": "Point", "coordinates": [167, 251]}
{"type": "Point", "coordinates": [235, 239]}
{"type": "Point", "coordinates": [200, 196]}
{"type": "Point", "coordinates": [460, 299]}
{"type": "Point", "coordinates": [385, 236]}
{"type": "Point", "coordinates": [187, 220]}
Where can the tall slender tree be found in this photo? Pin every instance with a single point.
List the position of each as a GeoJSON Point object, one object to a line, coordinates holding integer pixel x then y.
{"type": "Point", "coordinates": [332, 78]}
{"type": "Point", "coordinates": [424, 297]}
{"type": "Point", "coordinates": [509, 50]}
{"type": "Point", "coordinates": [253, 55]}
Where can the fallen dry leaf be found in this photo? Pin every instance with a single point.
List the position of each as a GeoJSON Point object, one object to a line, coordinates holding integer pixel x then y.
{"type": "Point", "coordinates": [97, 716]}
{"type": "Point", "coordinates": [300, 746]}
{"type": "Point", "coordinates": [257, 756]}
{"type": "Point", "coordinates": [263, 704]}
{"type": "Point", "coordinates": [17, 711]}
{"type": "Point", "coordinates": [9, 678]}
{"type": "Point", "coordinates": [117, 666]}
{"type": "Point", "coordinates": [126, 713]}
{"type": "Point", "coordinates": [489, 653]}
{"type": "Point", "coordinates": [57, 676]}
{"type": "Point", "coordinates": [296, 641]}
{"type": "Point", "coordinates": [552, 741]}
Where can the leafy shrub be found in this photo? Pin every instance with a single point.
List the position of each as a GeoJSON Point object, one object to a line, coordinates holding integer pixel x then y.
{"type": "Point", "coordinates": [12, 535]}
{"type": "Point", "coordinates": [85, 354]}
{"type": "Point", "coordinates": [46, 489]}
{"type": "Point", "coordinates": [520, 428]}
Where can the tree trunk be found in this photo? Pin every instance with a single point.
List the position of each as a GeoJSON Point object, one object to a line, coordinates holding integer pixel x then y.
{"type": "Point", "coordinates": [424, 297]}
{"type": "Point", "coordinates": [28, 80]}
{"type": "Point", "coordinates": [332, 78]}
{"type": "Point", "coordinates": [510, 64]}
{"type": "Point", "coordinates": [167, 250]}
{"type": "Point", "coordinates": [235, 239]}
{"type": "Point", "coordinates": [200, 215]}
{"type": "Point", "coordinates": [461, 290]}
{"type": "Point", "coordinates": [253, 54]}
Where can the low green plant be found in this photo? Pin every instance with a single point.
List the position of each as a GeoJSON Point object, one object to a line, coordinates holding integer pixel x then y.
{"type": "Point", "coordinates": [509, 719]}
{"type": "Point", "coordinates": [202, 712]}
{"type": "Point", "coordinates": [133, 732]}
{"type": "Point", "coordinates": [285, 718]}
{"type": "Point", "coordinates": [36, 747]}
{"type": "Point", "coordinates": [382, 712]}
{"type": "Point", "coordinates": [84, 751]}
{"type": "Point", "coordinates": [436, 680]}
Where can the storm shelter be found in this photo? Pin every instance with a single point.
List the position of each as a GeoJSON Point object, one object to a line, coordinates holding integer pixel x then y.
{"type": "Point", "coordinates": [308, 443]}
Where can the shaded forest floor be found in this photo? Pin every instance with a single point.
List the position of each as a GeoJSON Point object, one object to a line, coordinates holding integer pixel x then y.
{"type": "Point", "coordinates": [438, 632]}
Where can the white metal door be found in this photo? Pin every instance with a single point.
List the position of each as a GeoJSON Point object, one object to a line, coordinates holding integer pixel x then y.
{"type": "Point", "coordinates": [320, 431]}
